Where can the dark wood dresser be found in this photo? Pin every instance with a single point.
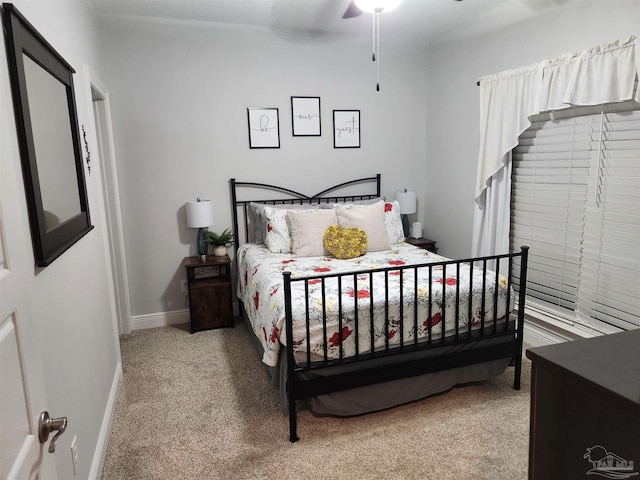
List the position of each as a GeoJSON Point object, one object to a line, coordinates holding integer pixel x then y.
{"type": "Point", "coordinates": [585, 408]}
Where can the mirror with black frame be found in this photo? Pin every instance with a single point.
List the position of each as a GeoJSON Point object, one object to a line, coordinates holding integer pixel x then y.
{"type": "Point", "coordinates": [48, 137]}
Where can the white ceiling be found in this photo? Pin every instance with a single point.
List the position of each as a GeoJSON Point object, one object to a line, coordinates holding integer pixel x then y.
{"type": "Point", "coordinates": [414, 20]}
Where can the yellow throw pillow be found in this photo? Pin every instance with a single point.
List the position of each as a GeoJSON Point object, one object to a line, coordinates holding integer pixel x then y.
{"type": "Point", "coordinates": [345, 243]}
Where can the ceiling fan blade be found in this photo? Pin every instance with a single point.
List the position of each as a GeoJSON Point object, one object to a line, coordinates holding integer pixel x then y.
{"type": "Point", "coordinates": [352, 11]}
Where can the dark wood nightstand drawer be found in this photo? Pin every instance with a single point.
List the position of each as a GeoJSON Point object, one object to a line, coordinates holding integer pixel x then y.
{"type": "Point", "coordinates": [210, 296]}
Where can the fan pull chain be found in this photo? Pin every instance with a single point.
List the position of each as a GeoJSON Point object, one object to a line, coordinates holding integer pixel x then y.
{"type": "Point", "coordinates": [376, 45]}
{"type": "Point", "coordinates": [377, 17]}
{"type": "Point", "coordinates": [373, 55]}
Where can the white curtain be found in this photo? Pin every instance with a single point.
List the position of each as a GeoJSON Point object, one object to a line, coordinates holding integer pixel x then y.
{"type": "Point", "coordinates": [603, 74]}
{"type": "Point", "coordinates": [505, 103]}
{"type": "Point", "coordinates": [491, 227]}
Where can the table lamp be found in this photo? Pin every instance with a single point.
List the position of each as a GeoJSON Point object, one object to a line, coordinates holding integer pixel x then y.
{"type": "Point", "coordinates": [407, 201]}
{"type": "Point", "coordinates": [200, 215]}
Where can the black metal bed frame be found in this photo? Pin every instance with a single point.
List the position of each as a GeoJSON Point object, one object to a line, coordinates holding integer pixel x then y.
{"type": "Point", "coordinates": [408, 359]}
{"type": "Point", "coordinates": [294, 198]}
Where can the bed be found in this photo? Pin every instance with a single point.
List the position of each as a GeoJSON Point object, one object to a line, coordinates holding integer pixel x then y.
{"type": "Point", "coordinates": [357, 335]}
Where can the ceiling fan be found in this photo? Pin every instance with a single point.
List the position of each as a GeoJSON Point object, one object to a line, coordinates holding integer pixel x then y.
{"type": "Point", "coordinates": [357, 7]}
{"type": "Point", "coordinates": [352, 10]}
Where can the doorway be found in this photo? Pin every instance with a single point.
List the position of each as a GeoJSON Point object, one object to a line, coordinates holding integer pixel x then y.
{"type": "Point", "coordinates": [108, 171]}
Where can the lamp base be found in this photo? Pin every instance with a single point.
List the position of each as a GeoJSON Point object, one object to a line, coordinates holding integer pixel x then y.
{"type": "Point", "coordinates": [405, 224]}
{"type": "Point", "coordinates": [203, 258]}
{"type": "Point", "coordinates": [202, 247]}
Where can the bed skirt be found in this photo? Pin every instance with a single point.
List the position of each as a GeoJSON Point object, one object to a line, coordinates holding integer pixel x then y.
{"type": "Point", "coordinates": [382, 396]}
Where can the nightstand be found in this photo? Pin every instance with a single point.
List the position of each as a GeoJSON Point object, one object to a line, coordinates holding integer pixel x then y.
{"type": "Point", "coordinates": [425, 243]}
{"type": "Point", "coordinates": [210, 297]}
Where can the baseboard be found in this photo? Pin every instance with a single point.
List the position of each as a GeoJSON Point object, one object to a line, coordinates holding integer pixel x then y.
{"type": "Point", "coordinates": [162, 319]}
{"type": "Point", "coordinates": [105, 429]}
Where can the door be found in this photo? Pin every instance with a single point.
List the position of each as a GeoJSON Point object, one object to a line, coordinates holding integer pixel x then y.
{"type": "Point", "coordinates": [22, 387]}
{"type": "Point", "coordinates": [22, 395]}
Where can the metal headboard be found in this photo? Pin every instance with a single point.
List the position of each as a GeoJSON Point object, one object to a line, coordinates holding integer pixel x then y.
{"type": "Point", "coordinates": [239, 208]}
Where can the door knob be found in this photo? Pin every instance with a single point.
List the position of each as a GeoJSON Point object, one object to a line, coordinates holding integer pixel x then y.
{"type": "Point", "coordinates": [46, 425]}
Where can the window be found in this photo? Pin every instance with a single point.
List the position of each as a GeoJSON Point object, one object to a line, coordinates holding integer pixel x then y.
{"type": "Point", "coordinates": [575, 201]}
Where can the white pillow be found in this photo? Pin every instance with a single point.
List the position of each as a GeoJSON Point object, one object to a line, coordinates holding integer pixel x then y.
{"type": "Point", "coordinates": [277, 237]}
{"type": "Point", "coordinates": [371, 219]}
{"type": "Point", "coordinates": [392, 220]}
{"type": "Point", "coordinates": [307, 228]}
{"type": "Point", "coordinates": [257, 222]}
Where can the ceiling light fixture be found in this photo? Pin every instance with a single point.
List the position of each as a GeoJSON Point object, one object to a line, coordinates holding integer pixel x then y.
{"type": "Point", "coordinates": [377, 7]}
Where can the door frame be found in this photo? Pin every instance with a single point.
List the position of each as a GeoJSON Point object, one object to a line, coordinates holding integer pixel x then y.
{"type": "Point", "coordinates": [104, 146]}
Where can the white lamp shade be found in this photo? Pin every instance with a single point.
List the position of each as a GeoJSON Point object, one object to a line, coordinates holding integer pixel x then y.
{"type": "Point", "coordinates": [407, 201]}
{"type": "Point", "coordinates": [371, 5]}
{"type": "Point", "coordinates": [199, 213]}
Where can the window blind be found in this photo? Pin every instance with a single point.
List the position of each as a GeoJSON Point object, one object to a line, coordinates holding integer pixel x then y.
{"type": "Point", "coordinates": [576, 202]}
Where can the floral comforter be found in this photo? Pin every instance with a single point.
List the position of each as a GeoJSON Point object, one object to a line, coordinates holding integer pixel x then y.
{"type": "Point", "coordinates": [260, 288]}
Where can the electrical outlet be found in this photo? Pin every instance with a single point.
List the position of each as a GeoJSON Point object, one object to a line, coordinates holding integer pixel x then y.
{"type": "Point", "coordinates": [74, 455]}
{"type": "Point", "coordinates": [183, 286]}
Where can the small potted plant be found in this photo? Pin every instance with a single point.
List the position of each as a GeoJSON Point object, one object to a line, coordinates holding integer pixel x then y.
{"type": "Point", "coordinates": [220, 242]}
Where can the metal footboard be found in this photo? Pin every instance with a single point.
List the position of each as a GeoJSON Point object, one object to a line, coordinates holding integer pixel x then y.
{"type": "Point", "coordinates": [371, 363]}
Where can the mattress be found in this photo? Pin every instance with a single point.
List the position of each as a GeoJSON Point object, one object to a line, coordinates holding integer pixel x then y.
{"type": "Point", "coordinates": [260, 288]}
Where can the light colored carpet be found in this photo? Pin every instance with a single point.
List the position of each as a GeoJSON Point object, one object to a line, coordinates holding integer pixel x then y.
{"type": "Point", "coordinates": [200, 407]}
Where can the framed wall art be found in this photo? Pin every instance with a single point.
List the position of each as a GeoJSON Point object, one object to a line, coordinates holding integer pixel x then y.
{"type": "Point", "coordinates": [346, 129]}
{"type": "Point", "coordinates": [48, 139]}
{"type": "Point", "coordinates": [305, 116]}
{"type": "Point", "coordinates": [264, 127]}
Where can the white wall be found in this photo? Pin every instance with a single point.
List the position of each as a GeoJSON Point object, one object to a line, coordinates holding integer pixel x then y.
{"type": "Point", "coordinates": [453, 101]}
{"type": "Point", "coordinates": [70, 312]}
{"type": "Point", "coordinates": [179, 94]}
